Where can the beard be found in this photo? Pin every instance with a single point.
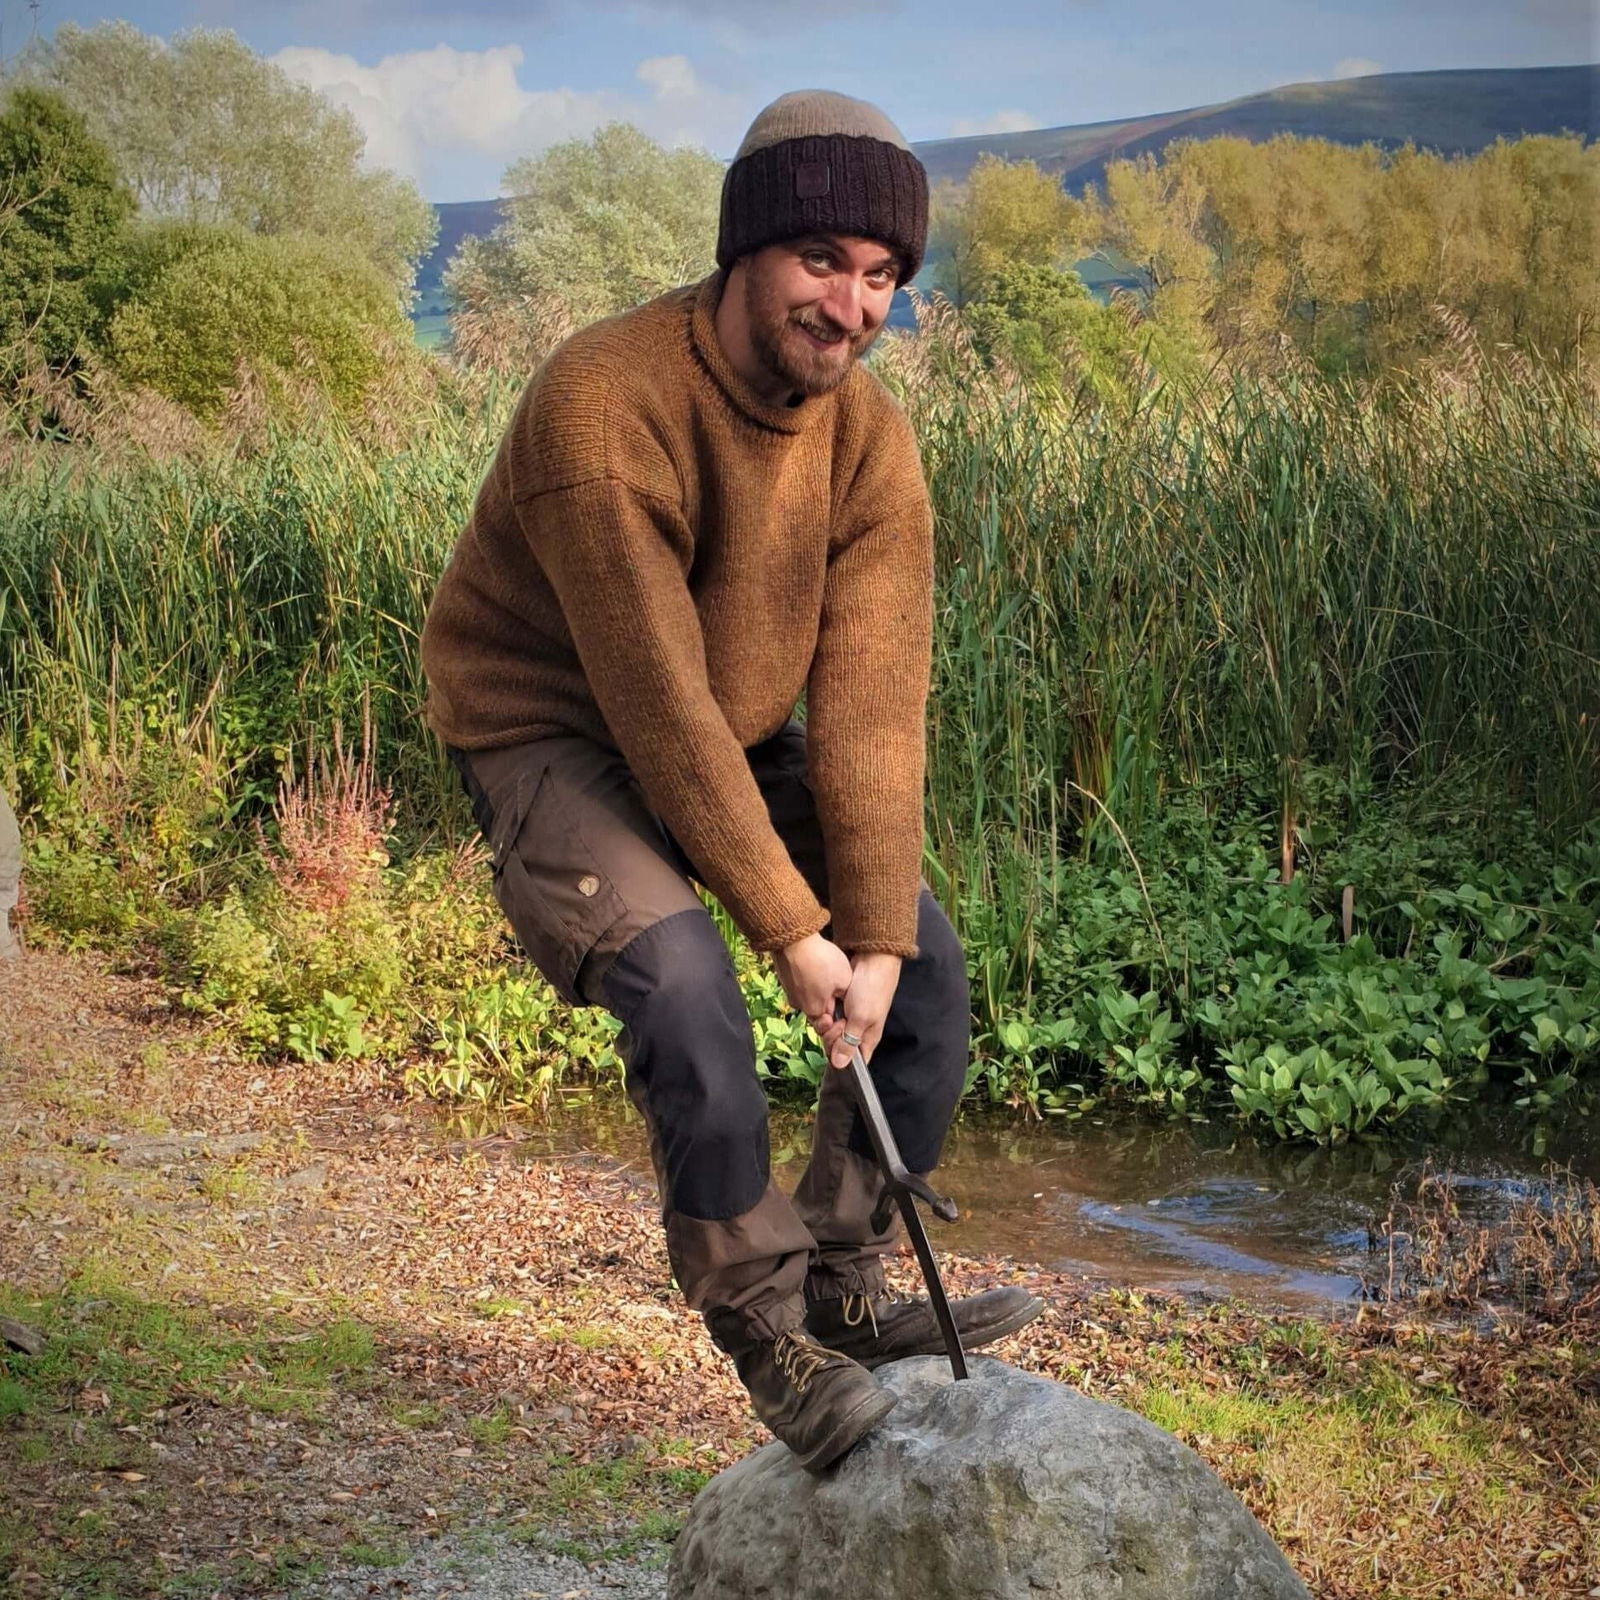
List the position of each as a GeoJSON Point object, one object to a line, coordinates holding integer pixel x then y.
{"type": "Point", "coordinates": [781, 346]}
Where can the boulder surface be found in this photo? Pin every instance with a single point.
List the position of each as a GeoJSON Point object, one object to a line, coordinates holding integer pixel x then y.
{"type": "Point", "coordinates": [1005, 1487]}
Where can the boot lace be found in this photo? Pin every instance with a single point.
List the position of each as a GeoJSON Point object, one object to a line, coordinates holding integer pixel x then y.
{"type": "Point", "coordinates": [858, 1307]}
{"type": "Point", "coordinates": [799, 1360]}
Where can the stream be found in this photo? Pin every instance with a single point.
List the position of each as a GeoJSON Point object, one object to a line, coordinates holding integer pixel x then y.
{"type": "Point", "coordinates": [1198, 1207]}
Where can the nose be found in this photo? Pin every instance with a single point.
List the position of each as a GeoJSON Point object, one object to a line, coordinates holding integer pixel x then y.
{"type": "Point", "coordinates": [842, 304]}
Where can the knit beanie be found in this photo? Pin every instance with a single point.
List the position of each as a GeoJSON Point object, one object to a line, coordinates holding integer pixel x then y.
{"type": "Point", "coordinates": [819, 162]}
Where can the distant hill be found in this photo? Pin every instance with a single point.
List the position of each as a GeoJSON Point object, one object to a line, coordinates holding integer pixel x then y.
{"type": "Point", "coordinates": [1457, 112]}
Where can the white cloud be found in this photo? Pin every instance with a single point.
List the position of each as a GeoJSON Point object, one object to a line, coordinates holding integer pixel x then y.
{"type": "Point", "coordinates": [669, 75]}
{"type": "Point", "coordinates": [421, 107]}
{"type": "Point", "coordinates": [1356, 67]}
{"type": "Point", "coordinates": [1000, 122]}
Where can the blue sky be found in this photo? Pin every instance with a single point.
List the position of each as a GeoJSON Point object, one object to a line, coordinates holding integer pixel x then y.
{"type": "Point", "coordinates": [451, 93]}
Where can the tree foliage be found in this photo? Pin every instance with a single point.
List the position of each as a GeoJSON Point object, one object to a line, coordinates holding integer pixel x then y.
{"type": "Point", "coordinates": [1353, 258]}
{"type": "Point", "coordinates": [1060, 339]}
{"type": "Point", "coordinates": [212, 307]}
{"type": "Point", "coordinates": [594, 226]}
{"type": "Point", "coordinates": [205, 130]}
{"type": "Point", "coordinates": [63, 216]}
{"type": "Point", "coordinates": [1007, 214]}
{"type": "Point", "coordinates": [1365, 258]}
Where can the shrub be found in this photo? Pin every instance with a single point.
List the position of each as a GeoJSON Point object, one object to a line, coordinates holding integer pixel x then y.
{"type": "Point", "coordinates": [64, 210]}
{"type": "Point", "coordinates": [208, 305]}
{"type": "Point", "coordinates": [1196, 974]}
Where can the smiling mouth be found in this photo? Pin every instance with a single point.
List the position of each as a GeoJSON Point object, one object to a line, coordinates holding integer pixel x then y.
{"type": "Point", "coordinates": [821, 341]}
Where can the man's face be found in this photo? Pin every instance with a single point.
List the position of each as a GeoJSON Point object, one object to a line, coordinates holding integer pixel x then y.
{"type": "Point", "coordinates": [814, 306]}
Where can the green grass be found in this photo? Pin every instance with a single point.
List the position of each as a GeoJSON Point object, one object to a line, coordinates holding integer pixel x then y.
{"type": "Point", "coordinates": [499, 1306]}
{"type": "Point", "coordinates": [492, 1430]}
{"type": "Point", "coordinates": [142, 1354]}
{"type": "Point", "coordinates": [609, 1510]}
{"type": "Point", "coordinates": [1191, 1411]}
{"type": "Point", "coordinates": [375, 1553]}
{"type": "Point", "coordinates": [114, 1362]}
{"type": "Point", "coordinates": [422, 1414]}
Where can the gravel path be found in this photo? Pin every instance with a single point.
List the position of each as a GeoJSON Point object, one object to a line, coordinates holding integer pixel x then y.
{"type": "Point", "coordinates": [497, 1569]}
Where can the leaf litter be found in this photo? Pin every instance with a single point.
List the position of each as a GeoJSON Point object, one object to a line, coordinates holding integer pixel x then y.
{"type": "Point", "coordinates": [311, 1344]}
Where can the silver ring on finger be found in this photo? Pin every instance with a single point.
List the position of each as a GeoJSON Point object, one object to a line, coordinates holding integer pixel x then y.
{"type": "Point", "coordinates": [852, 1040]}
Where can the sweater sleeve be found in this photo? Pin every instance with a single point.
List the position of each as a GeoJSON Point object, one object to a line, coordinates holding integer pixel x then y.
{"type": "Point", "coordinates": [866, 697]}
{"type": "Point", "coordinates": [618, 559]}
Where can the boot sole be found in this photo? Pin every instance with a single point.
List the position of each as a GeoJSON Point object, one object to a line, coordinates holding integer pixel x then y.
{"type": "Point", "coordinates": [972, 1339]}
{"type": "Point", "coordinates": [851, 1428]}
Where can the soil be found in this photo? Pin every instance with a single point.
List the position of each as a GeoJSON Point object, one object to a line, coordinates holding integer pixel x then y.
{"type": "Point", "coordinates": [424, 1364]}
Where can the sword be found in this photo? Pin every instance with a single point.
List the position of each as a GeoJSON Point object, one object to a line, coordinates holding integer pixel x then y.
{"type": "Point", "coordinates": [903, 1189]}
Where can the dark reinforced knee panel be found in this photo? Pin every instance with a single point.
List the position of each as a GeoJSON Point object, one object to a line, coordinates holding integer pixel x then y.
{"type": "Point", "coordinates": [688, 1045]}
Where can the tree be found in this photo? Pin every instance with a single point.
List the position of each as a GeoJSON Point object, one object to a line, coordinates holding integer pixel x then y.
{"type": "Point", "coordinates": [1286, 225]}
{"type": "Point", "coordinates": [207, 131]}
{"type": "Point", "coordinates": [1048, 326]}
{"type": "Point", "coordinates": [1007, 214]}
{"type": "Point", "coordinates": [594, 226]}
{"type": "Point", "coordinates": [1362, 258]}
{"type": "Point", "coordinates": [1154, 216]}
{"type": "Point", "coordinates": [1538, 209]}
{"type": "Point", "coordinates": [209, 306]}
{"type": "Point", "coordinates": [63, 216]}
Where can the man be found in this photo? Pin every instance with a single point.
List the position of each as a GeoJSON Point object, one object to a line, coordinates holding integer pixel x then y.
{"type": "Point", "coordinates": [702, 508]}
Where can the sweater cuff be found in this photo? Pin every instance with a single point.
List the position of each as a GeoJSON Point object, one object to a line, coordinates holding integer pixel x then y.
{"type": "Point", "coordinates": [887, 947]}
{"type": "Point", "coordinates": [875, 894]}
{"type": "Point", "coordinates": [781, 938]}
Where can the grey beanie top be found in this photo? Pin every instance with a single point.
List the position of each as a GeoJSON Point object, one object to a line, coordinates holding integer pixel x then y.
{"type": "Point", "coordinates": [818, 162]}
{"type": "Point", "coordinates": [815, 113]}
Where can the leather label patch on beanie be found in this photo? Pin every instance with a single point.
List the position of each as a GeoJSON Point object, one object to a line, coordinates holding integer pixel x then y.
{"type": "Point", "coordinates": [811, 180]}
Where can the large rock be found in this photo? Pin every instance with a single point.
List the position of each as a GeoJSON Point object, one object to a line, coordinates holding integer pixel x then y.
{"type": "Point", "coordinates": [1005, 1487]}
{"type": "Point", "coordinates": [10, 875]}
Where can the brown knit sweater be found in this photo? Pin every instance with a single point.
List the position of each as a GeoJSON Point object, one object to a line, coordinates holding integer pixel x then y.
{"type": "Point", "coordinates": [660, 560]}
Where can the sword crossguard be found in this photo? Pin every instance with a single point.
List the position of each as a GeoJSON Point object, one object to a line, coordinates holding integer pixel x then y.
{"type": "Point", "coordinates": [942, 1206]}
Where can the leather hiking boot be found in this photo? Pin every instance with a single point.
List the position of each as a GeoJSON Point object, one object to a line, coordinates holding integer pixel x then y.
{"type": "Point", "coordinates": [817, 1401]}
{"type": "Point", "coordinates": [875, 1328]}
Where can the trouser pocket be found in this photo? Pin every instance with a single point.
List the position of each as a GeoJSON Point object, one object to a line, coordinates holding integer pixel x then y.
{"type": "Point", "coordinates": [547, 878]}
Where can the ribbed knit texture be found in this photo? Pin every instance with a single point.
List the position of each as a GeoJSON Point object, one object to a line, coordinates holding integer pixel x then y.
{"type": "Point", "coordinates": [814, 113]}
{"type": "Point", "coordinates": [818, 162]}
{"type": "Point", "coordinates": [660, 560]}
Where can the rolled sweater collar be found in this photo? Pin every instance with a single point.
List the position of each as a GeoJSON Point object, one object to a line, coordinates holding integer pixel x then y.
{"type": "Point", "coordinates": [703, 337]}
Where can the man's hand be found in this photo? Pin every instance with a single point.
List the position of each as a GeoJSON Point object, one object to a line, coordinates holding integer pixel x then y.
{"type": "Point", "coordinates": [873, 980]}
{"type": "Point", "coordinates": [814, 972]}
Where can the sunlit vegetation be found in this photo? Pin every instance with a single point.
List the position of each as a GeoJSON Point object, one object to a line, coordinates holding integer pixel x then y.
{"type": "Point", "coordinates": [1263, 746]}
{"type": "Point", "coordinates": [1263, 741]}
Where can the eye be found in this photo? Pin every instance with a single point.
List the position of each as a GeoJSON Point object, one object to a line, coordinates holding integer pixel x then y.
{"type": "Point", "coordinates": [819, 260]}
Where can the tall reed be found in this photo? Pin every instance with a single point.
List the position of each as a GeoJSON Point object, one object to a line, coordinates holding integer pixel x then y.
{"type": "Point", "coordinates": [1235, 587]}
{"type": "Point", "coordinates": [1395, 587]}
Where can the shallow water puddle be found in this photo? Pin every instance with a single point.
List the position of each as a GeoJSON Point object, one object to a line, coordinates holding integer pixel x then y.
{"type": "Point", "coordinates": [1200, 1207]}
